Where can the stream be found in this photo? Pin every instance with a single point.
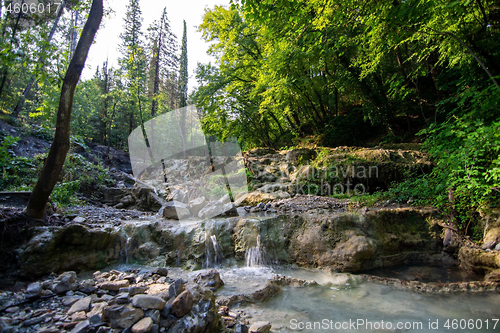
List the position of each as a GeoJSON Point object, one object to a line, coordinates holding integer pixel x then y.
{"type": "Point", "coordinates": [346, 303]}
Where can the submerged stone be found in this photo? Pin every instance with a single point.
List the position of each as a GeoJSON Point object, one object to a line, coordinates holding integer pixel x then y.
{"type": "Point", "coordinates": [260, 327]}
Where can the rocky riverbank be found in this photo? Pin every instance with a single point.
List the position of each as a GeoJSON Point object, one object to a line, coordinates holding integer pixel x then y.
{"type": "Point", "coordinates": [136, 301]}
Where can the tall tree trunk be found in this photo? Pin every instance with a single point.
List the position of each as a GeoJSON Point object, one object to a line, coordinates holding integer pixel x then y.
{"type": "Point", "coordinates": [156, 84]}
{"type": "Point", "coordinates": [103, 113]}
{"type": "Point", "coordinates": [60, 146]}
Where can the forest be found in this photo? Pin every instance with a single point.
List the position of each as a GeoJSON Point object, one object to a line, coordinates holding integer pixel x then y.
{"type": "Point", "coordinates": [336, 162]}
{"type": "Point", "coordinates": [288, 73]}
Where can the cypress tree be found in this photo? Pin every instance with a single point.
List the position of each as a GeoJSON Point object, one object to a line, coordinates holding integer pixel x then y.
{"type": "Point", "coordinates": [183, 71]}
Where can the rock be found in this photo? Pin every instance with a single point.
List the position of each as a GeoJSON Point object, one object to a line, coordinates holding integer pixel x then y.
{"type": "Point", "coordinates": [122, 298]}
{"type": "Point", "coordinates": [12, 309]}
{"type": "Point", "coordinates": [64, 282]}
{"type": "Point", "coordinates": [196, 205]}
{"type": "Point", "coordinates": [493, 276]}
{"type": "Point", "coordinates": [114, 285]}
{"type": "Point", "coordinates": [127, 200]}
{"type": "Point", "coordinates": [97, 308]}
{"type": "Point", "coordinates": [34, 290]}
{"type": "Point", "coordinates": [202, 318]}
{"type": "Point", "coordinates": [80, 305]}
{"type": "Point", "coordinates": [229, 209]}
{"type": "Point", "coordinates": [270, 289]}
{"type": "Point", "coordinates": [180, 196]}
{"type": "Point", "coordinates": [136, 290]}
{"type": "Point", "coordinates": [103, 329]}
{"type": "Point", "coordinates": [491, 238]}
{"type": "Point", "coordinates": [212, 209]}
{"type": "Point", "coordinates": [143, 326]}
{"type": "Point", "coordinates": [175, 288]}
{"type": "Point", "coordinates": [36, 320]}
{"type": "Point", "coordinates": [253, 198]}
{"type": "Point", "coordinates": [122, 316]}
{"type": "Point", "coordinates": [79, 219]}
{"type": "Point", "coordinates": [81, 327]}
{"type": "Point", "coordinates": [79, 316]}
{"type": "Point", "coordinates": [223, 310]}
{"type": "Point", "coordinates": [182, 304]}
{"type": "Point", "coordinates": [228, 321]}
{"type": "Point", "coordinates": [240, 328]}
{"type": "Point", "coordinates": [260, 327]}
{"type": "Point", "coordinates": [154, 315]}
{"type": "Point", "coordinates": [95, 319]}
{"type": "Point", "coordinates": [148, 302]}
{"type": "Point", "coordinates": [87, 286]}
{"type": "Point", "coordinates": [168, 321]}
{"type": "Point", "coordinates": [210, 279]}
{"type": "Point", "coordinates": [225, 199]}
{"type": "Point", "coordinates": [175, 210]}
{"type": "Point", "coordinates": [163, 271]}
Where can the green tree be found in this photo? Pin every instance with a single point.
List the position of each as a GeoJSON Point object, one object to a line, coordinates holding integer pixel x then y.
{"type": "Point", "coordinates": [163, 62]}
{"type": "Point", "coordinates": [183, 70]}
{"type": "Point", "coordinates": [60, 146]}
{"type": "Point", "coordinates": [133, 62]}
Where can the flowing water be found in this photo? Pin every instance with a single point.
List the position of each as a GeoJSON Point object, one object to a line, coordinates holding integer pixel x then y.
{"type": "Point", "coordinates": [340, 302]}
{"type": "Point", "coordinates": [254, 256]}
{"type": "Point", "coordinates": [370, 307]}
{"type": "Point", "coordinates": [425, 274]}
{"type": "Point", "coordinates": [344, 303]}
{"type": "Point", "coordinates": [213, 252]}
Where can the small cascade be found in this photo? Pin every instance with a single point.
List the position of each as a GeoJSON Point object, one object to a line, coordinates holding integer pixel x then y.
{"type": "Point", "coordinates": [178, 258]}
{"type": "Point", "coordinates": [213, 252]}
{"type": "Point", "coordinates": [254, 256]}
{"type": "Point", "coordinates": [127, 246]}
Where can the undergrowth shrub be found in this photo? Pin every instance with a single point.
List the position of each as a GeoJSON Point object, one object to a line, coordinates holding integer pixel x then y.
{"type": "Point", "coordinates": [466, 151]}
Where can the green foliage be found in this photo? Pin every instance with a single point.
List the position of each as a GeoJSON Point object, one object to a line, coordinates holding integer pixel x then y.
{"type": "Point", "coordinates": [88, 175]}
{"type": "Point", "coordinates": [348, 130]}
{"type": "Point", "coordinates": [64, 193]}
{"type": "Point", "coordinates": [78, 176]}
{"type": "Point", "coordinates": [41, 131]}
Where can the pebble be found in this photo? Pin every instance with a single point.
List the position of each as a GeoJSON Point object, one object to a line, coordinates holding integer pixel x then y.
{"type": "Point", "coordinates": [143, 326]}
{"type": "Point", "coordinates": [80, 305]}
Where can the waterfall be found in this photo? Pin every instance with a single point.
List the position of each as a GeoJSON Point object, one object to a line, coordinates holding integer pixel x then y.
{"type": "Point", "coordinates": [125, 247]}
{"type": "Point", "coordinates": [254, 256]}
{"type": "Point", "coordinates": [213, 252]}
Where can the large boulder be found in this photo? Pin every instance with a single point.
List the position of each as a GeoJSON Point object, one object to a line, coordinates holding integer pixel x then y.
{"type": "Point", "coordinates": [146, 302]}
{"type": "Point", "coordinates": [210, 279]}
{"type": "Point", "coordinates": [492, 238]}
{"type": "Point", "coordinates": [122, 316]}
{"type": "Point", "coordinates": [212, 209]}
{"type": "Point", "coordinates": [71, 247]}
{"type": "Point", "coordinates": [182, 304]}
{"type": "Point", "coordinates": [196, 205]}
{"type": "Point", "coordinates": [175, 210]}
